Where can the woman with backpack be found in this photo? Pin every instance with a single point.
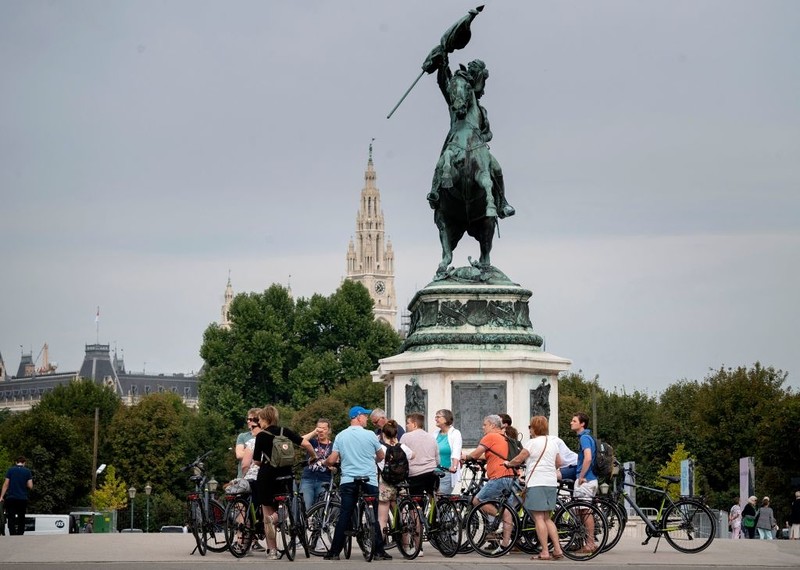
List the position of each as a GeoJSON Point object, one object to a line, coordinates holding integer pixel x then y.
{"type": "Point", "coordinates": [449, 441]}
{"type": "Point", "coordinates": [392, 468]}
{"type": "Point", "coordinates": [273, 464]}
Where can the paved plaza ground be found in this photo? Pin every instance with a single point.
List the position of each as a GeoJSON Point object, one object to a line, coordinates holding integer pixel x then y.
{"type": "Point", "coordinates": [171, 551]}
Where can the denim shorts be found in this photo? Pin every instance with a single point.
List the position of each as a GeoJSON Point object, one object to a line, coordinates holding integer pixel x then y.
{"type": "Point", "coordinates": [493, 489]}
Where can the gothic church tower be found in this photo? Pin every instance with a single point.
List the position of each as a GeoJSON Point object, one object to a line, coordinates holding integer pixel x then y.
{"type": "Point", "coordinates": [370, 257]}
{"type": "Point", "coordinates": [225, 321]}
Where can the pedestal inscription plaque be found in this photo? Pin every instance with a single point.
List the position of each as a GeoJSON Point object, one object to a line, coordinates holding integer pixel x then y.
{"type": "Point", "coordinates": [474, 401]}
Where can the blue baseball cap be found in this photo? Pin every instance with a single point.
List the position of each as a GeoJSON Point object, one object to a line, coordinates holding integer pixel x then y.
{"type": "Point", "coordinates": [356, 411]}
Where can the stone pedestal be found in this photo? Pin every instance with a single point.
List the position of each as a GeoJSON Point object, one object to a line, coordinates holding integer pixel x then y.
{"type": "Point", "coordinates": [471, 349]}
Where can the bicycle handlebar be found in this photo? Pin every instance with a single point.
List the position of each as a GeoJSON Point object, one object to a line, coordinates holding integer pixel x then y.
{"type": "Point", "coordinates": [197, 461]}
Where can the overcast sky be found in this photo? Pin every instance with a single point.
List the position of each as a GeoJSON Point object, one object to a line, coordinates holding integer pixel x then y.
{"type": "Point", "coordinates": [651, 149]}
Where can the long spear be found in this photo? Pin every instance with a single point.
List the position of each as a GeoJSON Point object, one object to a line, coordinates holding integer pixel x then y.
{"type": "Point", "coordinates": [456, 37]}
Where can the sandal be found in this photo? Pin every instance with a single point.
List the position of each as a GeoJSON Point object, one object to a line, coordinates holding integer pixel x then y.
{"type": "Point", "coordinates": [558, 556]}
{"type": "Point", "coordinates": [540, 557]}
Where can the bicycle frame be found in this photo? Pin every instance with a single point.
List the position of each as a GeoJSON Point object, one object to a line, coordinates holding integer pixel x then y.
{"type": "Point", "coordinates": [665, 499]}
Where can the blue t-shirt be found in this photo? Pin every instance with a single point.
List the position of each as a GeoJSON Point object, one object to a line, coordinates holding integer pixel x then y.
{"type": "Point", "coordinates": [18, 477]}
{"type": "Point", "coordinates": [357, 448]}
{"type": "Point", "coordinates": [586, 441]}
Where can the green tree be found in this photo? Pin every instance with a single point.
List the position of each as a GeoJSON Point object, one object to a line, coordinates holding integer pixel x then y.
{"type": "Point", "coordinates": [77, 401]}
{"type": "Point", "coordinates": [290, 353]}
{"type": "Point", "coordinates": [112, 494]}
{"type": "Point", "coordinates": [672, 468]}
{"type": "Point", "coordinates": [57, 455]}
{"type": "Point", "coordinates": [146, 440]}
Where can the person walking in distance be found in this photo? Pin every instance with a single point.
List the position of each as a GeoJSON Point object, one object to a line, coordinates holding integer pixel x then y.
{"type": "Point", "coordinates": [735, 520]}
{"type": "Point", "coordinates": [586, 482]}
{"type": "Point", "coordinates": [357, 450]}
{"type": "Point", "coordinates": [14, 495]}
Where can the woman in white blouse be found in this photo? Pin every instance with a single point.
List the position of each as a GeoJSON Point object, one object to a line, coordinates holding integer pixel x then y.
{"type": "Point", "coordinates": [542, 460]}
{"type": "Point", "coordinates": [449, 441]}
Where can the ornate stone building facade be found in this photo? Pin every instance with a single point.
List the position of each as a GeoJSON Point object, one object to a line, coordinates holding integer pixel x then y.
{"type": "Point", "coordinates": [370, 258]}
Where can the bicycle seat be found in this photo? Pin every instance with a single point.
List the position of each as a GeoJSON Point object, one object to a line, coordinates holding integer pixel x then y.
{"type": "Point", "coordinates": [361, 479]}
{"type": "Point", "coordinates": [284, 477]}
{"type": "Point", "coordinates": [567, 483]}
{"type": "Point", "coordinates": [671, 478]}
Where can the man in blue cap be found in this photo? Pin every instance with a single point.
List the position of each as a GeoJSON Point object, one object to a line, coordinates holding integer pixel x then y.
{"type": "Point", "coordinates": [358, 450]}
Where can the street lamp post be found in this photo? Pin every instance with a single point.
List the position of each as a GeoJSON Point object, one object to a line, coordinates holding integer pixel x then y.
{"type": "Point", "coordinates": [132, 495]}
{"type": "Point", "coordinates": [147, 490]}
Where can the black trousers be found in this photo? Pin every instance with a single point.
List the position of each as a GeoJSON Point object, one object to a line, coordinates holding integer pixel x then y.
{"type": "Point", "coordinates": [423, 483]}
{"type": "Point", "coordinates": [15, 515]}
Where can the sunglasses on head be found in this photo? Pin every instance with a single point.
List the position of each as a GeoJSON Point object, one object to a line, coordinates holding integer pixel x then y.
{"type": "Point", "coordinates": [252, 420]}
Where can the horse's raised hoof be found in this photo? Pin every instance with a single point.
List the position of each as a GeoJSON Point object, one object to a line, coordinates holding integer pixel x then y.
{"type": "Point", "coordinates": [433, 200]}
{"type": "Point", "coordinates": [507, 211]}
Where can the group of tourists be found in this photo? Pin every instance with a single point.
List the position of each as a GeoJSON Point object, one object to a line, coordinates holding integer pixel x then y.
{"type": "Point", "coordinates": [427, 462]}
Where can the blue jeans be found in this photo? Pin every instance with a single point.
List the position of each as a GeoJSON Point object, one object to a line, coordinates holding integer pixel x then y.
{"type": "Point", "coordinates": [765, 533]}
{"type": "Point", "coordinates": [348, 493]}
{"type": "Point", "coordinates": [312, 490]}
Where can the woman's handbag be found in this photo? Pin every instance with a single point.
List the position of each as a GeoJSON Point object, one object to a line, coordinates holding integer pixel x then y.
{"type": "Point", "coordinates": [748, 521]}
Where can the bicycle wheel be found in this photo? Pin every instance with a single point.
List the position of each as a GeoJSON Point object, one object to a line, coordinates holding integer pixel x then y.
{"type": "Point", "coordinates": [527, 541]}
{"type": "Point", "coordinates": [616, 518]}
{"type": "Point", "coordinates": [239, 527]}
{"type": "Point", "coordinates": [299, 526]}
{"type": "Point", "coordinates": [688, 526]}
{"type": "Point", "coordinates": [487, 532]}
{"type": "Point", "coordinates": [365, 535]}
{"type": "Point", "coordinates": [285, 530]}
{"type": "Point", "coordinates": [215, 535]}
{"type": "Point", "coordinates": [582, 529]}
{"type": "Point", "coordinates": [446, 533]}
{"type": "Point", "coordinates": [407, 529]}
{"type": "Point", "coordinates": [320, 525]}
{"type": "Point", "coordinates": [197, 522]}
{"type": "Point", "coordinates": [464, 506]}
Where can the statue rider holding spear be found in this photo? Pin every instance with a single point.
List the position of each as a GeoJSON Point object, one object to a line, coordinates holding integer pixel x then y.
{"type": "Point", "coordinates": [457, 37]}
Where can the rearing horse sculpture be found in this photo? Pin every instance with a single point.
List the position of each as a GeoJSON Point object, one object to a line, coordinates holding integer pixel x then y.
{"type": "Point", "coordinates": [462, 190]}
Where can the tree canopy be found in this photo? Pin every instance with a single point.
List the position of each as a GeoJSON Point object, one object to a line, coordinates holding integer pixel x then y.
{"type": "Point", "coordinates": [289, 353]}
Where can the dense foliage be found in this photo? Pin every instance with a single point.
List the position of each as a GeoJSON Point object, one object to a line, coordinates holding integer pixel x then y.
{"type": "Point", "coordinates": [732, 413]}
{"type": "Point", "coordinates": [290, 353]}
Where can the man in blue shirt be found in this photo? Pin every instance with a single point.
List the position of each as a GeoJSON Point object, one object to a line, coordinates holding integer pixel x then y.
{"type": "Point", "coordinates": [586, 481]}
{"type": "Point", "coordinates": [14, 495]}
{"type": "Point", "coordinates": [358, 450]}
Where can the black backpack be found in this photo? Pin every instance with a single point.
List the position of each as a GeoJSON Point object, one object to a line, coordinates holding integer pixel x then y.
{"type": "Point", "coordinates": [603, 460]}
{"type": "Point", "coordinates": [395, 465]}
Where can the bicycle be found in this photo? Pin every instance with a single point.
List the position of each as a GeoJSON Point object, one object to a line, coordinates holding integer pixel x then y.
{"type": "Point", "coordinates": [474, 475]}
{"type": "Point", "coordinates": [687, 524]}
{"type": "Point", "coordinates": [362, 522]}
{"type": "Point", "coordinates": [291, 518]}
{"type": "Point", "coordinates": [242, 523]}
{"type": "Point", "coordinates": [321, 520]}
{"type": "Point", "coordinates": [402, 527]}
{"type": "Point", "coordinates": [430, 517]}
{"type": "Point", "coordinates": [205, 515]}
{"type": "Point", "coordinates": [486, 526]}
